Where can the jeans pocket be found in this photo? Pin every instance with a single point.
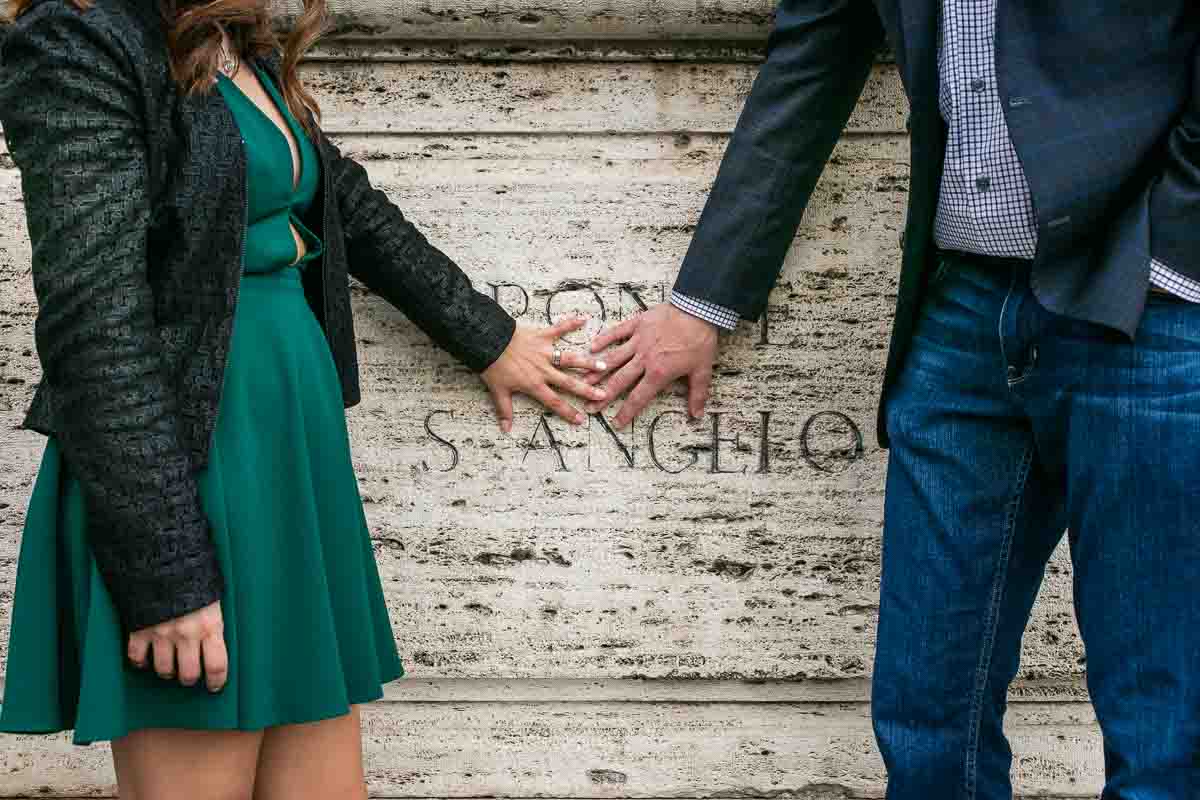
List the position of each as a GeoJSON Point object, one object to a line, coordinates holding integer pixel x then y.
{"type": "Point", "coordinates": [940, 270]}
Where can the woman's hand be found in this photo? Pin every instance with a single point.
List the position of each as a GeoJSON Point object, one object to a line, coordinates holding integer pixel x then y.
{"type": "Point", "coordinates": [184, 643]}
{"type": "Point", "coordinates": [527, 367]}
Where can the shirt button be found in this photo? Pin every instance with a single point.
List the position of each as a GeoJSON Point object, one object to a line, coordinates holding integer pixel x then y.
{"type": "Point", "coordinates": [977, 85]}
{"type": "Point", "coordinates": [983, 183]}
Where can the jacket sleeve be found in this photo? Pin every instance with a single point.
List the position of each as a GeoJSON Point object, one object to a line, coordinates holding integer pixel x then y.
{"type": "Point", "coordinates": [1175, 198]}
{"type": "Point", "coordinates": [71, 118]}
{"type": "Point", "coordinates": [387, 253]}
{"type": "Point", "coordinates": [819, 54]}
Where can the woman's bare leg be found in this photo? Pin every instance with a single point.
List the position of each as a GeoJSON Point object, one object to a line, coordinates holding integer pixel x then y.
{"type": "Point", "coordinates": [312, 761]}
{"type": "Point", "coordinates": [212, 765]}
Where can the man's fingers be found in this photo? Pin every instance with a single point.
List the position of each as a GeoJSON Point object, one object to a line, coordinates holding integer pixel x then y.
{"type": "Point", "coordinates": [699, 389]}
{"type": "Point", "coordinates": [641, 396]}
{"type": "Point", "coordinates": [575, 386]}
{"type": "Point", "coordinates": [621, 380]}
{"type": "Point", "coordinates": [164, 657]}
{"type": "Point", "coordinates": [216, 662]}
{"type": "Point", "coordinates": [616, 333]}
{"type": "Point", "coordinates": [614, 359]}
{"type": "Point", "coordinates": [550, 399]}
{"type": "Point", "coordinates": [504, 409]}
{"type": "Point", "coordinates": [564, 327]}
{"type": "Point", "coordinates": [187, 656]}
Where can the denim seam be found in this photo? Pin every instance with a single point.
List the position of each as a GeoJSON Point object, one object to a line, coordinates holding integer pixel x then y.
{"type": "Point", "coordinates": [993, 622]}
{"type": "Point", "coordinates": [1012, 284]}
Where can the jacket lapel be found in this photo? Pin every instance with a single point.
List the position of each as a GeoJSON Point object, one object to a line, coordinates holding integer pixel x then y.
{"type": "Point", "coordinates": [912, 28]}
{"type": "Point", "coordinates": [919, 30]}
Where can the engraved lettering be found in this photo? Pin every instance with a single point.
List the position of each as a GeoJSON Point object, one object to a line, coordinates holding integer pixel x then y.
{"type": "Point", "coordinates": [625, 449]}
{"type": "Point", "coordinates": [824, 461]}
{"type": "Point", "coordinates": [496, 287]}
{"type": "Point", "coordinates": [453, 450]}
{"type": "Point", "coordinates": [654, 453]}
{"type": "Point", "coordinates": [543, 422]}
{"type": "Point", "coordinates": [578, 337]}
{"type": "Point", "coordinates": [574, 287]}
{"type": "Point", "coordinates": [764, 442]}
{"type": "Point", "coordinates": [716, 445]}
{"type": "Point", "coordinates": [631, 290]}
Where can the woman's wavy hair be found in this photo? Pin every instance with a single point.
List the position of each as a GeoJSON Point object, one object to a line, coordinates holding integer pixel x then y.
{"type": "Point", "coordinates": [194, 41]}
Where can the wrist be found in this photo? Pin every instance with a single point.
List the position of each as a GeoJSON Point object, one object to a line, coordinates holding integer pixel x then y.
{"type": "Point", "coordinates": [694, 320]}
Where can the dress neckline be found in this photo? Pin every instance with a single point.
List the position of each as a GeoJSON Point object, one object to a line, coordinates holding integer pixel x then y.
{"type": "Point", "coordinates": [268, 86]}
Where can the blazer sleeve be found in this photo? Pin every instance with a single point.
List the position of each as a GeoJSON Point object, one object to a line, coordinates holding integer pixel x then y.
{"type": "Point", "coordinates": [70, 112]}
{"type": "Point", "coordinates": [1175, 198]}
{"type": "Point", "coordinates": [387, 253]}
{"type": "Point", "coordinates": [819, 54]}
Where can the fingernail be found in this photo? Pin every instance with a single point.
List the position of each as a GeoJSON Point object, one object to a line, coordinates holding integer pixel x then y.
{"type": "Point", "coordinates": [598, 394]}
{"type": "Point", "coordinates": [600, 365]}
{"type": "Point", "coordinates": [506, 426]}
{"type": "Point", "coordinates": [579, 418]}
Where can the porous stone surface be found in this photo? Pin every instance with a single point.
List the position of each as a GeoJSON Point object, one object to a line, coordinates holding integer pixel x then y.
{"type": "Point", "coordinates": [681, 610]}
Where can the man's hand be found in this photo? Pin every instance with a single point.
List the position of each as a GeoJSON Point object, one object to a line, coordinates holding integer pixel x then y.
{"type": "Point", "coordinates": [658, 346]}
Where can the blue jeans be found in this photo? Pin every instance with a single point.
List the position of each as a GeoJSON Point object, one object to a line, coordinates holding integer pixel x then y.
{"type": "Point", "coordinates": [1010, 425]}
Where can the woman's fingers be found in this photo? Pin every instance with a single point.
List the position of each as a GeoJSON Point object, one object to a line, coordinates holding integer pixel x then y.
{"type": "Point", "coordinates": [620, 381]}
{"type": "Point", "coordinates": [184, 647]}
{"type": "Point", "coordinates": [187, 658]}
{"type": "Point", "coordinates": [550, 399]}
{"type": "Point", "coordinates": [575, 386]}
{"type": "Point", "coordinates": [164, 657]}
{"type": "Point", "coordinates": [573, 360]}
{"type": "Point", "coordinates": [614, 359]}
{"type": "Point", "coordinates": [504, 408]}
{"type": "Point", "coordinates": [216, 662]}
{"type": "Point", "coordinates": [139, 650]}
{"type": "Point", "coordinates": [564, 327]}
{"type": "Point", "coordinates": [616, 333]}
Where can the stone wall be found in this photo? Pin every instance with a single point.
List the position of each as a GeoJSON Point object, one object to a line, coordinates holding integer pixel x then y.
{"type": "Point", "coordinates": [683, 611]}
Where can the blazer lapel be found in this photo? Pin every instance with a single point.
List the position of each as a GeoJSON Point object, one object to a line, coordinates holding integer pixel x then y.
{"type": "Point", "coordinates": [919, 30]}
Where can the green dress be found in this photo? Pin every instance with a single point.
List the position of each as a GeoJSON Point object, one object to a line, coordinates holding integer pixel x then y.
{"type": "Point", "coordinates": [306, 626]}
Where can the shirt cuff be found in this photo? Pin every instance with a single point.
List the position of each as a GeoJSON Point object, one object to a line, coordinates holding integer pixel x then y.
{"type": "Point", "coordinates": [1171, 281]}
{"type": "Point", "coordinates": [720, 316]}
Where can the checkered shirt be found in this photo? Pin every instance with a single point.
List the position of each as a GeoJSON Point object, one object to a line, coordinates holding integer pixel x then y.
{"type": "Point", "coordinates": [984, 205]}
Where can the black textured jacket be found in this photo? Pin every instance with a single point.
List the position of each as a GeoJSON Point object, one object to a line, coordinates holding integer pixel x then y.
{"type": "Point", "coordinates": [135, 197]}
